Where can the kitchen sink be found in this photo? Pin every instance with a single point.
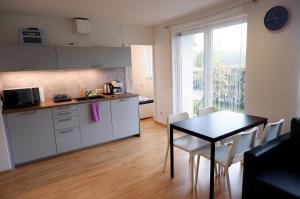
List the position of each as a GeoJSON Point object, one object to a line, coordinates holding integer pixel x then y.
{"type": "Point", "coordinates": [89, 98]}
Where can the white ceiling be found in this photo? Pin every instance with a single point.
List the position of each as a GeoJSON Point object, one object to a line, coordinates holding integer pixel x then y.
{"type": "Point", "coordinates": [141, 12]}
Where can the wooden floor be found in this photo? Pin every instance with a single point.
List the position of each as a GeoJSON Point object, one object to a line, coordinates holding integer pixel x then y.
{"type": "Point", "coordinates": [131, 168]}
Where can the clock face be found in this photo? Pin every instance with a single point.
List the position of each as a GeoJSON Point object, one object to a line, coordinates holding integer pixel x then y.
{"type": "Point", "coordinates": [276, 18]}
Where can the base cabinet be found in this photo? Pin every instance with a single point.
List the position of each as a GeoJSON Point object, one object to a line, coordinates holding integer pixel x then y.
{"type": "Point", "coordinates": [46, 132]}
{"type": "Point", "coordinates": [31, 135]}
{"type": "Point", "coordinates": [68, 140]}
{"type": "Point", "coordinates": [125, 117]}
{"type": "Point", "coordinates": [95, 132]}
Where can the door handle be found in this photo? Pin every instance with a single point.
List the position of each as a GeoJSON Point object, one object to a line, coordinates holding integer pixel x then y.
{"type": "Point", "coordinates": [125, 99]}
{"type": "Point", "coordinates": [29, 68]}
{"type": "Point", "coordinates": [65, 119]}
{"type": "Point", "coordinates": [28, 112]}
{"type": "Point", "coordinates": [66, 131]}
{"type": "Point", "coordinates": [64, 107]}
{"type": "Point", "coordinates": [64, 113]}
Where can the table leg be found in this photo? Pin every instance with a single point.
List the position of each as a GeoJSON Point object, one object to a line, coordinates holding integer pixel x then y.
{"type": "Point", "coordinates": [171, 152]}
{"type": "Point", "coordinates": [212, 170]}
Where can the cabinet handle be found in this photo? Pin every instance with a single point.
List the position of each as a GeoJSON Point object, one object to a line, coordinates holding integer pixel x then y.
{"type": "Point", "coordinates": [29, 68]}
{"type": "Point", "coordinates": [28, 112]}
{"type": "Point", "coordinates": [63, 108]}
{"type": "Point", "coordinates": [97, 66]}
{"type": "Point", "coordinates": [64, 113]}
{"type": "Point", "coordinates": [66, 119]}
{"type": "Point", "coordinates": [125, 99]}
{"type": "Point", "coordinates": [66, 131]}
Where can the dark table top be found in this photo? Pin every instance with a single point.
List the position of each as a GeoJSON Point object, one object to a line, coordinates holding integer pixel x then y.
{"type": "Point", "coordinates": [216, 126]}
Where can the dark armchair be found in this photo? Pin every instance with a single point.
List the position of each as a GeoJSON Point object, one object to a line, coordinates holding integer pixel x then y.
{"type": "Point", "coordinates": [273, 169]}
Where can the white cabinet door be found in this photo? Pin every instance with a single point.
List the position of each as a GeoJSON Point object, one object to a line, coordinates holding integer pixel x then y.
{"type": "Point", "coordinates": [72, 57]}
{"type": "Point", "coordinates": [68, 139]}
{"type": "Point", "coordinates": [114, 57]}
{"type": "Point", "coordinates": [16, 58]}
{"type": "Point", "coordinates": [31, 135]}
{"type": "Point", "coordinates": [125, 117]}
{"type": "Point", "coordinates": [66, 125]}
{"type": "Point", "coordinates": [95, 132]}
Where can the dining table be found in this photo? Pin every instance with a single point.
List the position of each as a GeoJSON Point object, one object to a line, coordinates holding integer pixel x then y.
{"type": "Point", "coordinates": [214, 127]}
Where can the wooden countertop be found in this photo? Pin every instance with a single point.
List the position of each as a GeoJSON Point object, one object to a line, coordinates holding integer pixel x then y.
{"type": "Point", "coordinates": [52, 104]}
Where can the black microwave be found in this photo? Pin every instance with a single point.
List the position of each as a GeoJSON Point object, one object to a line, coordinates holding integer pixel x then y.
{"type": "Point", "coordinates": [13, 98]}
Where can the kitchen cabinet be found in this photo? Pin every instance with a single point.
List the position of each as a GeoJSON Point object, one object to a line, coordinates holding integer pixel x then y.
{"type": "Point", "coordinates": [66, 125]}
{"type": "Point", "coordinates": [68, 139]}
{"type": "Point", "coordinates": [31, 135]}
{"type": "Point", "coordinates": [16, 58]}
{"type": "Point", "coordinates": [125, 117]}
{"type": "Point", "coordinates": [51, 131]}
{"type": "Point", "coordinates": [72, 57]}
{"type": "Point", "coordinates": [66, 122]}
{"type": "Point", "coordinates": [114, 57]}
{"type": "Point", "coordinates": [95, 132]}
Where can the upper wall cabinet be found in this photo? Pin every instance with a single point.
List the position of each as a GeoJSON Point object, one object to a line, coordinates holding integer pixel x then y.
{"type": "Point", "coordinates": [115, 56]}
{"type": "Point", "coordinates": [16, 58]}
{"type": "Point", "coordinates": [72, 57]}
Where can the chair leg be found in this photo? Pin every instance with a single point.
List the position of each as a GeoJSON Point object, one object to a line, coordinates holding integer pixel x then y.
{"type": "Point", "coordinates": [166, 157]}
{"type": "Point", "coordinates": [220, 170]}
{"type": "Point", "coordinates": [242, 162]}
{"type": "Point", "coordinates": [191, 162]}
{"type": "Point", "coordinates": [228, 182]}
{"type": "Point", "coordinates": [197, 169]}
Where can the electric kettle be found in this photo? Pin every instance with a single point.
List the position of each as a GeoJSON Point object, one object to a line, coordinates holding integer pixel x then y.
{"type": "Point", "coordinates": [108, 89]}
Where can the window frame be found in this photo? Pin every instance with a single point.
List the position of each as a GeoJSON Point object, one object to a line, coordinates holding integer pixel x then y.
{"type": "Point", "coordinates": [208, 62]}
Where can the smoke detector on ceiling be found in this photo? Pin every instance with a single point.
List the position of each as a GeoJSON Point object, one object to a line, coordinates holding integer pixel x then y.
{"type": "Point", "coordinates": [82, 25]}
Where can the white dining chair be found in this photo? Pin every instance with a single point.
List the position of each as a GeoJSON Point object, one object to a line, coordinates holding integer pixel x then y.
{"type": "Point", "coordinates": [226, 155]}
{"type": "Point", "coordinates": [188, 143]}
{"type": "Point", "coordinates": [270, 132]}
{"type": "Point", "coordinates": [206, 110]}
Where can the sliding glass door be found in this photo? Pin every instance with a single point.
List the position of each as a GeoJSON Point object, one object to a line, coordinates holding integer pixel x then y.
{"type": "Point", "coordinates": [210, 67]}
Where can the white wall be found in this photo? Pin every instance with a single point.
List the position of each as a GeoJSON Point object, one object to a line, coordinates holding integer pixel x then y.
{"type": "Point", "coordinates": [61, 31]}
{"type": "Point", "coordinates": [273, 63]}
{"type": "Point", "coordinates": [163, 74]}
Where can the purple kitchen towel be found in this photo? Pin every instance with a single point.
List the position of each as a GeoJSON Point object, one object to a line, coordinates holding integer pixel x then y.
{"type": "Point", "coordinates": [95, 111]}
{"type": "Point", "coordinates": [99, 113]}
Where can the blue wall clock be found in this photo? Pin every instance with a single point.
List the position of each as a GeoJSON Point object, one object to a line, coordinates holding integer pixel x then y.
{"type": "Point", "coordinates": [276, 18]}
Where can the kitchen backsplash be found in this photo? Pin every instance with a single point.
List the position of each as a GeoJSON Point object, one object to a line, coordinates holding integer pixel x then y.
{"type": "Point", "coordinates": [71, 82]}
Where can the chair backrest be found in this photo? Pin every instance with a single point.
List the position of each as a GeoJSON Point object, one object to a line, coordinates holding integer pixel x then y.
{"type": "Point", "coordinates": [175, 118]}
{"type": "Point", "coordinates": [207, 110]}
{"type": "Point", "coordinates": [272, 131]}
{"type": "Point", "coordinates": [242, 143]}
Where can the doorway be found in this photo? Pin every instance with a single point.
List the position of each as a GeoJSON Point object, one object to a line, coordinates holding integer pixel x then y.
{"type": "Point", "coordinates": [142, 78]}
